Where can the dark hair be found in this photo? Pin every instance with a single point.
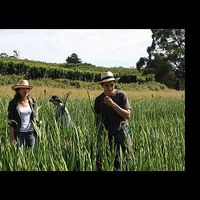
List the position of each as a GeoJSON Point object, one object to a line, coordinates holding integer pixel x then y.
{"type": "Point", "coordinates": [17, 96]}
{"type": "Point", "coordinates": [55, 98]}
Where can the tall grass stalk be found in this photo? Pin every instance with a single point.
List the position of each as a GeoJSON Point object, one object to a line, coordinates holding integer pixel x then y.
{"type": "Point", "coordinates": [156, 127]}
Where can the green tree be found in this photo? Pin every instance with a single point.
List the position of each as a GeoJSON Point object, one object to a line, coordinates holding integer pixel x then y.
{"type": "Point", "coordinates": [4, 55]}
{"type": "Point", "coordinates": [73, 59]}
{"type": "Point", "coordinates": [16, 54]}
{"type": "Point", "coordinates": [167, 52]}
{"type": "Point", "coordinates": [142, 62]}
{"type": "Point", "coordinates": [172, 43]}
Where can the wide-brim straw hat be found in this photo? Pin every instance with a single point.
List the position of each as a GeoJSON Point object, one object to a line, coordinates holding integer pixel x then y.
{"type": "Point", "coordinates": [108, 76]}
{"type": "Point", "coordinates": [22, 84]}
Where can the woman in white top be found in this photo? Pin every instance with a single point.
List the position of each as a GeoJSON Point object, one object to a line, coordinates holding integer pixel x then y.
{"type": "Point", "coordinates": [21, 113]}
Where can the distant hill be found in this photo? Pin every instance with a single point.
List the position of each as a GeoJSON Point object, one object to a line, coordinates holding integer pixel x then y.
{"type": "Point", "coordinates": [81, 75]}
{"type": "Point", "coordinates": [81, 71]}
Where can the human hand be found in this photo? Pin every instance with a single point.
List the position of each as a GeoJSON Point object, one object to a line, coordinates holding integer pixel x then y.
{"type": "Point", "coordinates": [108, 101]}
{"type": "Point", "coordinates": [39, 123]}
{"type": "Point", "coordinates": [13, 142]}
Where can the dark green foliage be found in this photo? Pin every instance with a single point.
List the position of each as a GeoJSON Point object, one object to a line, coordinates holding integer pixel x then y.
{"type": "Point", "coordinates": [73, 59]}
{"type": "Point", "coordinates": [142, 61]}
{"type": "Point", "coordinates": [3, 55]}
{"type": "Point", "coordinates": [36, 70]}
{"type": "Point", "coordinates": [166, 57]}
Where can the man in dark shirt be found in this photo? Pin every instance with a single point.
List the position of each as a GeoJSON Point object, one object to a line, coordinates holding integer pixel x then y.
{"type": "Point", "coordinates": [112, 110]}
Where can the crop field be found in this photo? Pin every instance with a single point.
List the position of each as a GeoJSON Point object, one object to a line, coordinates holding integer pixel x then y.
{"type": "Point", "coordinates": [157, 130]}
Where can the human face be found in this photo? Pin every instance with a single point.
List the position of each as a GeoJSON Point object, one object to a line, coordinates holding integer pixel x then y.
{"type": "Point", "coordinates": [56, 103]}
{"type": "Point", "coordinates": [109, 87]}
{"type": "Point", "coordinates": [24, 91]}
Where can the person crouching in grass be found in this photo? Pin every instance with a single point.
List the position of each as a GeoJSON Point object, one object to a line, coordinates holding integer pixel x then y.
{"type": "Point", "coordinates": [61, 112]}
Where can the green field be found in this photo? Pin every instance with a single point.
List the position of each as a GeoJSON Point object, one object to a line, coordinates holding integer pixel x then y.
{"type": "Point", "coordinates": [157, 128]}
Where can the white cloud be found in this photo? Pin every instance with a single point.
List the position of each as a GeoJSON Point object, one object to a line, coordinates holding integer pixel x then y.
{"type": "Point", "coordinates": [100, 47]}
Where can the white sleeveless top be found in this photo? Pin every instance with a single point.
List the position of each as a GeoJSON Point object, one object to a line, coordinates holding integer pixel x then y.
{"type": "Point", "coordinates": [25, 115]}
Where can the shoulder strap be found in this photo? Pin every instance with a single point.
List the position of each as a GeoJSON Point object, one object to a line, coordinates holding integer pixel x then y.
{"type": "Point", "coordinates": [32, 103]}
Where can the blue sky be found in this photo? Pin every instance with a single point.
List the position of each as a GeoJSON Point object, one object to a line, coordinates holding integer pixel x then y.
{"type": "Point", "coordinates": [101, 47]}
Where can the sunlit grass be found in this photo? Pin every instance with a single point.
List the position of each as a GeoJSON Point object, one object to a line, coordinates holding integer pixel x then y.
{"type": "Point", "coordinates": [46, 92]}
{"type": "Point", "coordinates": [156, 127]}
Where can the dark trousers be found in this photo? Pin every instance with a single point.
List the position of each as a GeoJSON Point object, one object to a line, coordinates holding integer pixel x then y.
{"type": "Point", "coordinates": [119, 138]}
{"type": "Point", "coordinates": [27, 139]}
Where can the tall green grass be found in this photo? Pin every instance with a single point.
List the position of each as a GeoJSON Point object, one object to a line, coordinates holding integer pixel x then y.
{"type": "Point", "coordinates": [157, 129]}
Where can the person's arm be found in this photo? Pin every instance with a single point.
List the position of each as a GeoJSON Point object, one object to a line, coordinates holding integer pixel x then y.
{"type": "Point", "coordinates": [11, 135]}
{"type": "Point", "coordinates": [122, 112]}
{"type": "Point", "coordinates": [11, 123]}
{"type": "Point", "coordinates": [67, 117]}
{"type": "Point", "coordinates": [98, 120]}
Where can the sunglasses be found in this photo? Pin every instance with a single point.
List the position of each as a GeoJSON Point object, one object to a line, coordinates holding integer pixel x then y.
{"type": "Point", "coordinates": [25, 88]}
{"type": "Point", "coordinates": [109, 85]}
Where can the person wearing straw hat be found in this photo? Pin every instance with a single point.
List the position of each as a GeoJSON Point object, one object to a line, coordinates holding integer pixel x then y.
{"type": "Point", "coordinates": [21, 114]}
{"type": "Point", "coordinates": [112, 110]}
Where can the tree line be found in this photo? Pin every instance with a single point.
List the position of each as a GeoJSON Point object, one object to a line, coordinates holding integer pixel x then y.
{"type": "Point", "coordinates": [166, 57]}
{"type": "Point", "coordinates": [38, 70]}
{"type": "Point", "coordinates": [165, 64]}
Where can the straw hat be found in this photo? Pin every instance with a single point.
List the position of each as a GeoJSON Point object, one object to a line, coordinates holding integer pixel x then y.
{"type": "Point", "coordinates": [22, 84]}
{"type": "Point", "coordinates": [108, 76]}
